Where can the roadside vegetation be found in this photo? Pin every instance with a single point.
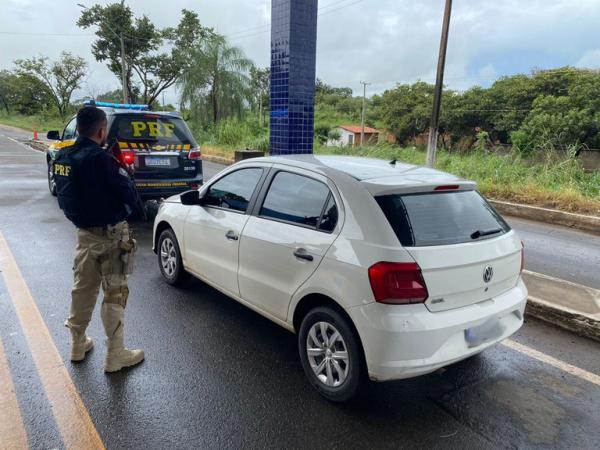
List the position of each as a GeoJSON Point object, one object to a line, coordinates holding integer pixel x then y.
{"type": "Point", "coordinates": [519, 138]}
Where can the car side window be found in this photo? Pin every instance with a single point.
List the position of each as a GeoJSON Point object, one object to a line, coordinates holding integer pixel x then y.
{"type": "Point", "coordinates": [70, 130]}
{"type": "Point", "coordinates": [234, 191]}
{"type": "Point", "coordinates": [296, 199]}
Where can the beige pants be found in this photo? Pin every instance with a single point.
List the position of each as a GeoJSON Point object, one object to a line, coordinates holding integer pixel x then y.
{"type": "Point", "coordinates": [98, 262]}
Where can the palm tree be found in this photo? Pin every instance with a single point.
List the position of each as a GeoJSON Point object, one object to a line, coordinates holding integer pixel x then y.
{"type": "Point", "coordinates": [217, 84]}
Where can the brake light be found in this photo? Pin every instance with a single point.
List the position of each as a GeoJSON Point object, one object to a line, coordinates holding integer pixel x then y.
{"type": "Point", "coordinates": [397, 283]}
{"type": "Point", "coordinates": [128, 157]}
{"type": "Point", "coordinates": [194, 153]}
{"type": "Point", "coordinates": [448, 187]}
{"type": "Point", "coordinates": [522, 257]}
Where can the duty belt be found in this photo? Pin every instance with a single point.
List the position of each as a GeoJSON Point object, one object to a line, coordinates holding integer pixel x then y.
{"type": "Point", "coordinates": [101, 231]}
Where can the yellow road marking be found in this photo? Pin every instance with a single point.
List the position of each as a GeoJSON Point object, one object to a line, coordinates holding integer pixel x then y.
{"type": "Point", "coordinates": [12, 428]}
{"type": "Point", "coordinates": [565, 367]}
{"type": "Point", "coordinates": [73, 420]}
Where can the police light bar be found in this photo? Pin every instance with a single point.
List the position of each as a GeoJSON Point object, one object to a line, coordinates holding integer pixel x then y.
{"type": "Point", "coordinates": [117, 105]}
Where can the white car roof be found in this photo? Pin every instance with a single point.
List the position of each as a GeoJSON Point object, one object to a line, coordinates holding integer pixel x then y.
{"type": "Point", "coordinates": [379, 176]}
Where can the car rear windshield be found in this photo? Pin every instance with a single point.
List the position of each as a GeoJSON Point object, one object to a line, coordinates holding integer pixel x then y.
{"type": "Point", "coordinates": [441, 218]}
{"type": "Point", "coordinates": [154, 131]}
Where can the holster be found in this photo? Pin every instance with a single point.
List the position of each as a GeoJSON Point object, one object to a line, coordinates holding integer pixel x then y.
{"type": "Point", "coordinates": [128, 251]}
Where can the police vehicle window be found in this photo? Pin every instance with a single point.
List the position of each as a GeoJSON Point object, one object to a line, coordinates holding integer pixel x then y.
{"type": "Point", "coordinates": [155, 130]}
{"type": "Point", "coordinates": [295, 198]}
{"type": "Point", "coordinates": [234, 190]}
{"type": "Point", "coordinates": [330, 216]}
{"type": "Point", "coordinates": [70, 130]}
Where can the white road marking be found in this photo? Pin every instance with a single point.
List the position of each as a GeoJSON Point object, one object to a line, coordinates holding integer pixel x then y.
{"type": "Point", "coordinates": [547, 359]}
{"type": "Point", "coordinates": [21, 144]}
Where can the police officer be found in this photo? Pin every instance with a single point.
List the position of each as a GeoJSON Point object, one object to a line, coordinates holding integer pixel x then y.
{"type": "Point", "coordinates": [96, 193]}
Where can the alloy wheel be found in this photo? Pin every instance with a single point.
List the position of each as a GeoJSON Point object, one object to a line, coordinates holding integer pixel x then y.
{"type": "Point", "coordinates": [168, 257]}
{"type": "Point", "coordinates": [327, 354]}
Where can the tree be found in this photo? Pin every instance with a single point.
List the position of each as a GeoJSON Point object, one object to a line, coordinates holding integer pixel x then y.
{"type": "Point", "coordinates": [60, 78]}
{"type": "Point", "coordinates": [217, 84]}
{"type": "Point", "coordinates": [23, 94]}
{"type": "Point", "coordinates": [406, 109]}
{"type": "Point", "coordinates": [155, 70]}
{"type": "Point", "coordinates": [260, 81]}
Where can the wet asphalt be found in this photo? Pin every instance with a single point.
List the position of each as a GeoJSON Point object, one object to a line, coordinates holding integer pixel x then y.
{"type": "Point", "coordinates": [218, 375]}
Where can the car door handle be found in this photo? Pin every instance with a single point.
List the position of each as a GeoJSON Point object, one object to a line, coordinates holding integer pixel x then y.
{"type": "Point", "coordinates": [301, 253]}
{"type": "Point", "coordinates": [232, 236]}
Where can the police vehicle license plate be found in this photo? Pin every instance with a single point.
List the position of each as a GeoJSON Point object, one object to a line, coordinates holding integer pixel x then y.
{"type": "Point", "coordinates": [154, 161]}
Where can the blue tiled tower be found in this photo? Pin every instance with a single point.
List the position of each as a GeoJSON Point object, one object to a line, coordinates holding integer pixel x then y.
{"type": "Point", "coordinates": [293, 59]}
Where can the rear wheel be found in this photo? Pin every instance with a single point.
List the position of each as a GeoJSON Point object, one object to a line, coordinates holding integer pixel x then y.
{"type": "Point", "coordinates": [331, 354]}
{"type": "Point", "coordinates": [51, 183]}
{"type": "Point", "coordinates": [169, 259]}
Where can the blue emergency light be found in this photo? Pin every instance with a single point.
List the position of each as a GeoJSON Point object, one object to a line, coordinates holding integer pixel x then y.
{"type": "Point", "coordinates": [117, 105]}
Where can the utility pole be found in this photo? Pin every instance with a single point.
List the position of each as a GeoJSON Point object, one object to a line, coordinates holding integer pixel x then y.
{"type": "Point", "coordinates": [439, 84]}
{"type": "Point", "coordinates": [362, 119]}
{"type": "Point", "coordinates": [123, 65]}
{"type": "Point", "coordinates": [124, 71]}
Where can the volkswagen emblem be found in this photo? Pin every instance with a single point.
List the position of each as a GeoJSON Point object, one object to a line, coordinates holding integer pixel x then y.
{"type": "Point", "coordinates": [488, 274]}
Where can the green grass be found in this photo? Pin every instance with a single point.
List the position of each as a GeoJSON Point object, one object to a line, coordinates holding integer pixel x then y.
{"type": "Point", "coordinates": [41, 122]}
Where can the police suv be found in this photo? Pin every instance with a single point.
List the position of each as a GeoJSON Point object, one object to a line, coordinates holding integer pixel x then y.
{"type": "Point", "coordinates": [157, 145]}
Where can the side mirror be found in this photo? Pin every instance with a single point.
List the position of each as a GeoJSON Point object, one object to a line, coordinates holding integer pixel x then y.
{"type": "Point", "coordinates": [191, 198]}
{"type": "Point", "coordinates": [53, 135]}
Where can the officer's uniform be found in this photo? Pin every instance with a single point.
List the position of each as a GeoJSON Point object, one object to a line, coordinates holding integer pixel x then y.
{"type": "Point", "coordinates": [97, 195]}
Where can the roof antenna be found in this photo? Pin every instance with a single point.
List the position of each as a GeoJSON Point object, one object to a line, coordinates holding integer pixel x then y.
{"type": "Point", "coordinates": [393, 162]}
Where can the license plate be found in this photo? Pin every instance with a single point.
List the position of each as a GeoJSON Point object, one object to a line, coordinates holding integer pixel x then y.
{"type": "Point", "coordinates": [487, 331]}
{"type": "Point", "coordinates": [155, 161]}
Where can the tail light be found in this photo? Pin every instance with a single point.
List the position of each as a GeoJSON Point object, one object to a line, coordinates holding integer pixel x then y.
{"type": "Point", "coordinates": [397, 283]}
{"type": "Point", "coordinates": [128, 157]}
{"type": "Point", "coordinates": [522, 257]}
{"type": "Point", "coordinates": [447, 187]}
{"type": "Point", "coordinates": [194, 153]}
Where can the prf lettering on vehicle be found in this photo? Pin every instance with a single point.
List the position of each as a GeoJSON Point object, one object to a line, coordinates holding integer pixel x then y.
{"type": "Point", "coordinates": [152, 129]}
{"type": "Point", "coordinates": [62, 169]}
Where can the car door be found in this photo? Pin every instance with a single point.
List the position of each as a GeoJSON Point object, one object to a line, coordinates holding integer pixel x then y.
{"type": "Point", "coordinates": [285, 240]}
{"type": "Point", "coordinates": [212, 230]}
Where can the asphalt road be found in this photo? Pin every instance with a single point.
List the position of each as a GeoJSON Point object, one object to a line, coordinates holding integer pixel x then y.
{"type": "Point", "coordinates": [218, 375]}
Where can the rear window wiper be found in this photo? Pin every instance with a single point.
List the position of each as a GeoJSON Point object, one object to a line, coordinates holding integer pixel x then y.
{"type": "Point", "coordinates": [479, 233]}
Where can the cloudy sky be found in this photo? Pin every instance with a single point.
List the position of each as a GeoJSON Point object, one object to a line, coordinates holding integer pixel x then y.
{"type": "Point", "coordinates": [380, 41]}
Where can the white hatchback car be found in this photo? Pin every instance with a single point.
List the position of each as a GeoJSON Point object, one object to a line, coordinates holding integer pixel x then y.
{"type": "Point", "coordinates": [384, 270]}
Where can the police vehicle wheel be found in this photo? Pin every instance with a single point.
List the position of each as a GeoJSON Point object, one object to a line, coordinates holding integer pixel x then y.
{"type": "Point", "coordinates": [169, 259]}
{"type": "Point", "coordinates": [331, 354]}
{"type": "Point", "coordinates": [51, 183]}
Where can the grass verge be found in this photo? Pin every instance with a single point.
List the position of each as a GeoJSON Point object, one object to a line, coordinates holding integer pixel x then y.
{"type": "Point", "coordinates": [41, 123]}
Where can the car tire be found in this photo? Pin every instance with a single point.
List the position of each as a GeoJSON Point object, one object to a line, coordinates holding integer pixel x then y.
{"type": "Point", "coordinates": [343, 379]}
{"type": "Point", "coordinates": [169, 259]}
{"type": "Point", "coordinates": [51, 184]}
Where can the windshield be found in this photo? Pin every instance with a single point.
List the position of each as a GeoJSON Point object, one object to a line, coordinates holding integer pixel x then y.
{"type": "Point", "coordinates": [441, 218]}
{"type": "Point", "coordinates": [155, 131]}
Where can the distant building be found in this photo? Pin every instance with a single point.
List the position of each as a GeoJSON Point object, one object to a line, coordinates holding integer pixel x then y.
{"type": "Point", "coordinates": [350, 136]}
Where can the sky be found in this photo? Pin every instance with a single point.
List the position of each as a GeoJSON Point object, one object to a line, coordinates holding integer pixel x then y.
{"type": "Point", "coordinates": [379, 41]}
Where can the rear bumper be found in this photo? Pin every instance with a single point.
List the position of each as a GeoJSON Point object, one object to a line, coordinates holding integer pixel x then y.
{"type": "Point", "coordinates": [404, 341]}
{"type": "Point", "coordinates": [157, 188]}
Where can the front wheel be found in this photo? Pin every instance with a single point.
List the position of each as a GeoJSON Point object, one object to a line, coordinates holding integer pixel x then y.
{"type": "Point", "coordinates": [169, 259]}
{"type": "Point", "coordinates": [331, 354]}
{"type": "Point", "coordinates": [51, 182]}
